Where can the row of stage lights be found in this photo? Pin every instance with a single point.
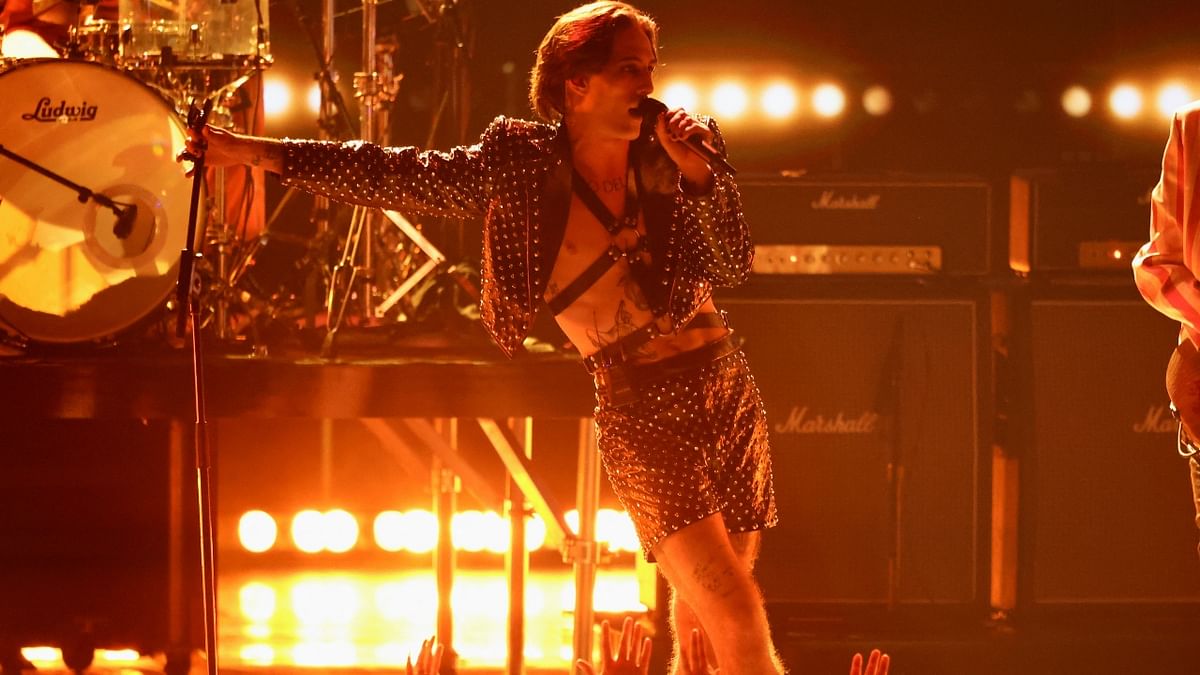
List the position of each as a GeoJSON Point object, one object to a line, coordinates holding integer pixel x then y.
{"type": "Point", "coordinates": [416, 531]}
{"type": "Point", "coordinates": [735, 102]}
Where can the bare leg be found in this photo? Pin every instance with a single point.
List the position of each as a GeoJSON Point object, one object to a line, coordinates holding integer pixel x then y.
{"type": "Point", "coordinates": [683, 620]}
{"type": "Point", "coordinates": [711, 579]}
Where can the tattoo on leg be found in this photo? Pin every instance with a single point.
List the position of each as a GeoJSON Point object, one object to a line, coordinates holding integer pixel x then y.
{"type": "Point", "coordinates": [714, 579]}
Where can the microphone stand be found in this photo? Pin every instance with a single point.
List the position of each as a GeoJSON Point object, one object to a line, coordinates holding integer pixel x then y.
{"type": "Point", "coordinates": [125, 213]}
{"type": "Point", "coordinates": [187, 295]}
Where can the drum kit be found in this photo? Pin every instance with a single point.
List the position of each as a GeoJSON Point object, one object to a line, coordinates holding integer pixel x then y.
{"type": "Point", "coordinates": [104, 117]}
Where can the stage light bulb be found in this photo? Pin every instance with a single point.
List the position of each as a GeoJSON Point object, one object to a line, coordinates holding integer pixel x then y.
{"type": "Point", "coordinates": [681, 95]}
{"type": "Point", "coordinates": [277, 97]}
{"type": "Point", "coordinates": [729, 100]}
{"type": "Point", "coordinates": [1076, 101]}
{"type": "Point", "coordinates": [877, 100]}
{"type": "Point", "coordinates": [1172, 97]}
{"type": "Point", "coordinates": [257, 602]}
{"type": "Point", "coordinates": [313, 98]}
{"type": "Point", "coordinates": [341, 530]}
{"type": "Point", "coordinates": [42, 656]}
{"type": "Point", "coordinates": [257, 654]}
{"type": "Point", "coordinates": [829, 100]}
{"type": "Point", "coordinates": [499, 532]}
{"type": "Point", "coordinates": [308, 531]}
{"type": "Point", "coordinates": [779, 101]}
{"type": "Point", "coordinates": [535, 533]}
{"type": "Point", "coordinates": [257, 531]}
{"type": "Point", "coordinates": [388, 529]}
{"type": "Point", "coordinates": [469, 531]}
{"type": "Point", "coordinates": [420, 531]}
{"type": "Point", "coordinates": [1125, 101]}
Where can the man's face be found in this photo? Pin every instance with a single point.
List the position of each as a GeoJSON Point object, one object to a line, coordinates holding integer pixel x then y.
{"type": "Point", "coordinates": [607, 101]}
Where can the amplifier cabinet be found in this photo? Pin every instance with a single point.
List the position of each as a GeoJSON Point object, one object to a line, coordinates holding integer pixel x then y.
{"type": "Point", "coordinates": [874, 217]}
{"type": "Point", "coordinates": [1106, 512]}
{"type": "Point", "coordinates": [1090, 219]}
{"type": "Point", "coordinates": [877, 428]}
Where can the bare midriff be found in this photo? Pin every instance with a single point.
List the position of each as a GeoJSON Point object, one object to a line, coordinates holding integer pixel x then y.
{"type": "Point", "coordinates": [615, 305]}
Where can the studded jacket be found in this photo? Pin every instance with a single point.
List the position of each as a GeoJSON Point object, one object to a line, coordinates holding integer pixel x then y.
{"type": "Point", "coordinates": [518, 177]}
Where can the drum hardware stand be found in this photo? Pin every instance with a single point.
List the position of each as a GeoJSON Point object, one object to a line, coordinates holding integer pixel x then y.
{"type": "Point", "coordinates": [188, 294]}
{"type": "Point", "coordinates": [126, 213]}
{"type": "Point", "coordinates": [355, 269]}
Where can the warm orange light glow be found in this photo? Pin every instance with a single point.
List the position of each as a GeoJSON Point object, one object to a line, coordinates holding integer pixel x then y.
{"type": "Point", "coordinates": [117, 656]}
{"type": "Point", "coordinates": [313, 98]}
{"type": "Point", "coordinates": [257, 602]}
{"type": "Point", "coordinates": [877, 100]}
{"type": "Point", "coordinates": [308, 531]}
{"type": "Point", "coordinates": [341, 530]}
{"type": "Point", "coordinates": [420, 530]}
{"type": "Point", "coordinates": [325, 654]}
{"type": "Point", "coordinates": [1076, 101]}
{"type": "Point", "coordinates": [829, 100]}
{"type": "Point", "coordinates": [535, 533]}
{"type": "Point", "coordinates": [681, 95]}
{"type": "Point", "coordinates": [615, 528]}
{"type": "Point", "coordinates": [23, 44]}
{"type": "Point", "coordinates": [277, 96]}
{"type": "Point", "coordinates": [1125, 101]}
{"type": "Point", "coordinates": [257, 531]}
{"type": "Point", "coordinates": [470, 531]}
{"type": "Point", "coordinates": [258, 654]}
{"type": "Point", "coordinates": [389, 531]}
{"type": "Point", "coordinates": [326, 601]}
{"type": "Point", "coordinates": [1172, 97]}
{"type": "Point", "coordinates": [779, 101]}
{"type": "Point", "coordinates": [42, 656]}
{"type": "Point", "coordinates": [730, 100]}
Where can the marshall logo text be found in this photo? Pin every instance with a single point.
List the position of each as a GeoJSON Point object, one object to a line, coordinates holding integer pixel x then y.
{"type": "Point", "coordinates": [831, 201]}
{"type": "Point", "coordinates": [48, 112]}
{"type": "Point", "coordinates": [1158, 420]}
{"type": "Point", "coordinates": [800, 422]}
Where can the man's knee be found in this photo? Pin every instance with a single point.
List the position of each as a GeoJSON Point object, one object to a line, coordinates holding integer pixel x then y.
{"type": "Point", "coordinates": [746, 546]}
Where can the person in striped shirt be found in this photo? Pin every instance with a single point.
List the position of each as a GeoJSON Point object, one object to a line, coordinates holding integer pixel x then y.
{"type": "Point", "coordinates": [1166, 269]}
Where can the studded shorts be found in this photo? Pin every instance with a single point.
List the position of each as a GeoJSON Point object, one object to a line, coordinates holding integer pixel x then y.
{"type": "Point", "coordinates": [692, 444]}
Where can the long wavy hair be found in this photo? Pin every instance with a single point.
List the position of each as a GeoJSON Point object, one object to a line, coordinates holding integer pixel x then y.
{"type": "Point", "coordinates": [580, 43]}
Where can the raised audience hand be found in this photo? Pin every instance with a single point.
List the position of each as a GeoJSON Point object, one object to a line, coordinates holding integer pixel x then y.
{"type": "Point", "coordinates": [632, 657]}
{"type": "Point", "coordinates": [695, 661]}
{"type": "Point", "coordinates": [429, 661]}
{"type": "Point", "coordinates": [877, 664]}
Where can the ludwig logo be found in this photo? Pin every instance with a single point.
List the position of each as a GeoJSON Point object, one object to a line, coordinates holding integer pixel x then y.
{"type": "Point", "coordinates": [832, 201]}
{"type": "Point", "coordinates": [801, 422]}
{"type": "Point", "coordinates": [1158, 420]}
{"type": "Point", "coordinates": [45, 111]}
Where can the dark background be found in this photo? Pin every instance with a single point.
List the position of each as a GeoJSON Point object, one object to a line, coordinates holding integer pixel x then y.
{"type": "Point", "coordinates": [987, 76]}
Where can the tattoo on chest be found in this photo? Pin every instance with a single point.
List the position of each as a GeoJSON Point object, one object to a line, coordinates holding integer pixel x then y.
{"type": "Point", "coordinates": [621, 326]}
{"type": "Point", "coordinates": [607, 185]}
{"type": "Point", "coordinates": [633, 292]}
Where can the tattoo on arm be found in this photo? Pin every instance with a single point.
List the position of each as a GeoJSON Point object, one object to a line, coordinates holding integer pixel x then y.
{"type": "Point", "coordinates": [267, 155]}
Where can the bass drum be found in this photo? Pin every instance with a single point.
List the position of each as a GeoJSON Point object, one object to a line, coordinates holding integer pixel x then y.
{"type": "Point", "coordinates": [65, 274]}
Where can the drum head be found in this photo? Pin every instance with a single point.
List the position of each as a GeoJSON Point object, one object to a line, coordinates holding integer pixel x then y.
{"type": "Point", "coordinates": [66, 274]}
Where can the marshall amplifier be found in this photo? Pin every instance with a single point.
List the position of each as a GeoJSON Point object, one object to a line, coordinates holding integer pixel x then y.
{"type": "Point", "coordinates": [1091, 219]}
{"type": "Point", "coordinates": [877, 411]}
{"type": "Point", "coordinates": [887, 224]}
{"type": "Point", "coordinates": [1106, 512]}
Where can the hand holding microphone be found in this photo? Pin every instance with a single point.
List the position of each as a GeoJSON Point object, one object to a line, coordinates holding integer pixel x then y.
{"type": "Point", "coordinates": [681, 128]}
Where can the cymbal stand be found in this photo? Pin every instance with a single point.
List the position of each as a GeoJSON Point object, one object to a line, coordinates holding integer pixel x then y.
{"type": "Point", "coordinates": [353, 269]}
